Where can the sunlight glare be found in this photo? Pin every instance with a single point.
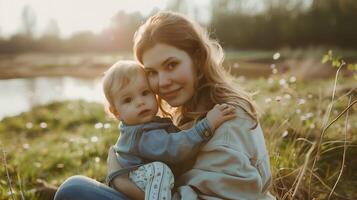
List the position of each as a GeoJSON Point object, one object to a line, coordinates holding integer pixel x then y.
{"type": "Point", "coordinates": [71, 16]}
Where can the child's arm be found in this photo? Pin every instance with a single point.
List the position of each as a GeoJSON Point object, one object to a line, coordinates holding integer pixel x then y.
{"type": "Point", "coordinates": [122, 183]}
{"type": "Point", "coordinates": [127, 187]}
{"type": "Point", "coordinates": [175, 147]}
{"type": "Point", "coordinates": [219, 114]}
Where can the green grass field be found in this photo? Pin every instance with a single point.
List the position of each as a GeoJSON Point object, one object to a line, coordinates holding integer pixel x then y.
{"type": "Point", "coordinates": [58, 140]}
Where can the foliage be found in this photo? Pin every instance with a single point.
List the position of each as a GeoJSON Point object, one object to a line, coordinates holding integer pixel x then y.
{"type": "Point", "coordinates": [53, 142]}
{"type": "Point", "coordinates": [235, 23]}
{"type": "Point", "coordinates": [337, 61]}
{"type": "Point", "coordinates": [115, 38]}
{"type": "Point", "coordinates": [285, 23]}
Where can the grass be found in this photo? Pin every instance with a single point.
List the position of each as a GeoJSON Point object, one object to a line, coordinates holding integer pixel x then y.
{"type": "Point", "coordinates": [297, 53]}
{"type": "Point", "coordinates": [55, 141]}
{"type": "Point", "coordinates": [292, 120]}
{"type": "Point", "coordinates": [61, 139]}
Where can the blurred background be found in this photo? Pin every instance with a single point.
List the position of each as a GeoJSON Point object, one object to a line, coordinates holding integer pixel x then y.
{"type": "Point", "coordinates": [48, 38]}
{"type": "Point", "coordinates": [53, 54]}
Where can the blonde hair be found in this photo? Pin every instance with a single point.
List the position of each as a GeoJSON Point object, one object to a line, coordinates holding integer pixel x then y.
{"type": "Point", "coordinates": [118, 76]}
{"type": "Point", "coordinates": [207, 56]}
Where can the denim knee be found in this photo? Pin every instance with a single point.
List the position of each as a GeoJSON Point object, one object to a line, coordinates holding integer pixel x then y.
{"type": "Point", "coordinates": [72, 186]}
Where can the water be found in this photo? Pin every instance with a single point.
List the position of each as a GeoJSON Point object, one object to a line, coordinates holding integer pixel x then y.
{"type": "Point", "coordinates": [20, 95]}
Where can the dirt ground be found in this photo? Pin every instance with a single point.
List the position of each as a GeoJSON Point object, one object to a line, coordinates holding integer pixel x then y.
{"type": "Point", "coordinates": [93, 65]}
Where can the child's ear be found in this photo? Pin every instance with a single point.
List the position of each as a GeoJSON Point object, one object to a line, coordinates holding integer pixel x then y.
{"type": "Point", "coordinates": [114, 111]}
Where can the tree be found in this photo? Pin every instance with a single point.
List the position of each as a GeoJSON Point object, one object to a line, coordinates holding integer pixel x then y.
{"type": "Point", "coordinates": [177, 6]}
{"type": "Point", "coordinates": [123, 27]}
{"type": "Point", "coordinates": [28, 21]}
{"type": "Point", "coordinates": [52, 29]}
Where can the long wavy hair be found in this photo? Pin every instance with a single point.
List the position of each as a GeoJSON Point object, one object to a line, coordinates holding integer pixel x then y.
{"type": "Point", "coordinates": [214, 83]}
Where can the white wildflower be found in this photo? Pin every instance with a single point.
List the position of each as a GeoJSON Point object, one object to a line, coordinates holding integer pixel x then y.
{"type": "Point", "coordinates": [287, 96]}
{"type": "Point", "coordinates": [94, 139]}
{"type": "Point", "coordinates": [292, 79]}
{"type": "Point", "coordinates": [282, 82]}
{"type": "Point", "coordinates": [29, 125]}
{"type": "Point", "coordinates": [43, 125]}
{"type": "Point", "coordinates": [107, 125]}
{"type": "Point", "coordinates": [98, 125]}
{"type": "Point", "coordinates": [285, 133]}
{"type": "Point", "coordinates": [301, 101]}
{"type": "Point", "coordinates": [26, 146]}
{"type": "Point", "coordinates": [276, 56]}
{"type": "Point", "coordinates": [267, 100]}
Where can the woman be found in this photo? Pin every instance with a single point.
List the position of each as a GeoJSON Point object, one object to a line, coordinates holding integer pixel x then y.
{"type": "Point", "coordinates": [184, 68]}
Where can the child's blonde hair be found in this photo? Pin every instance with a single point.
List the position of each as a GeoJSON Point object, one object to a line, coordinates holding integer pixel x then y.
{"type": "Point", "coordinates": [118, 76]}
{"type": "Point", "coordinates": [213, 81]}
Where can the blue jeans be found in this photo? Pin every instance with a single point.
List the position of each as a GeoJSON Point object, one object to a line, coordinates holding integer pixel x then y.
{"type": "Point", "coordinates": [81, 188]}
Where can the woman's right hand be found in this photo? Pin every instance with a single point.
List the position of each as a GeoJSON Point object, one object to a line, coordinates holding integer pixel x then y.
{"type": "Point", "coordinates": [219, 114]}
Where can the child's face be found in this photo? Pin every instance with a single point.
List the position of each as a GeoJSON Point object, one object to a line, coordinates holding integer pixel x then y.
{"type": "Point", "coordinates": [136, 103]}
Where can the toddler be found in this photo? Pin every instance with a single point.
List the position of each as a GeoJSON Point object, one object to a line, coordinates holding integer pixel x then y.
{"type": "Point", "coordinates": [149, 144]}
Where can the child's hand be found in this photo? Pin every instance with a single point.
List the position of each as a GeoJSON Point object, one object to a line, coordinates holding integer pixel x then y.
{"type": "Point", "coordinates": [112, 162]}
{"type": "Point", "coordinates": [219, 114]}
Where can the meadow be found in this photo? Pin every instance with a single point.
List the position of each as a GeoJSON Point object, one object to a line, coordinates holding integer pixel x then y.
{"type": "Point", "coordinates": [312, 156]}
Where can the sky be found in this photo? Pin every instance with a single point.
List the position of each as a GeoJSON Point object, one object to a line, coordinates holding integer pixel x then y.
{"type": "Point", "coordinates": [94, 15]}
{"type": "Point", "coordinates": [71, 15]}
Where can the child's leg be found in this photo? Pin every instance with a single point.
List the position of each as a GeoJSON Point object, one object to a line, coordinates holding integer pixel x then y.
{"type": "Point", "coordinates": [159, 187]}
{"type": "Point", "coordinates": [156, 179]}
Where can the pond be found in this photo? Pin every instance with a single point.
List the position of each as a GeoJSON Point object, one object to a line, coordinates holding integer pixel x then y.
{"type": "Point", "coordinates": [20, 95]}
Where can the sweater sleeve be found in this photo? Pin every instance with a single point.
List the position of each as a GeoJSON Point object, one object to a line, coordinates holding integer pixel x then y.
{"type": "Point", "coordinates": [234, 164]}
{"type": "Point", "coordinates": [173, 148]}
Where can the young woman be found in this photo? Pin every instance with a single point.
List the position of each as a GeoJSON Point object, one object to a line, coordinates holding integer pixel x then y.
{"type": "Point", "coordinates": [184, 68]}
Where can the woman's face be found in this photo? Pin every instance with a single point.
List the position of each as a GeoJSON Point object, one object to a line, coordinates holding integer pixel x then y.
{"type": "Point", "coordinates": [171, 73]}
